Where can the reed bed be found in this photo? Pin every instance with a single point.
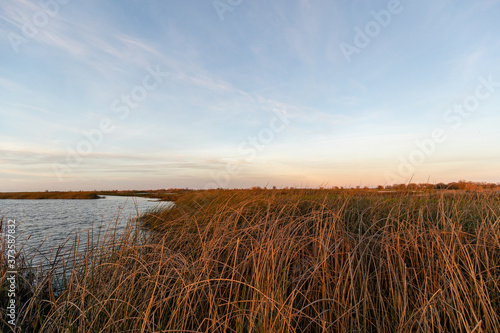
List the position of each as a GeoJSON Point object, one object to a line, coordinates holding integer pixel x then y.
{"type": "Point", "coordinates": [283, 261]}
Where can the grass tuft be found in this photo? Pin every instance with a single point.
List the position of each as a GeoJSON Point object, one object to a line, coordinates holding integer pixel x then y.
{"type": "Point", "coordinates": [283, 261]}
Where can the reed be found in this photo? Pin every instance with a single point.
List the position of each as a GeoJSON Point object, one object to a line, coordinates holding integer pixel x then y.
{"type": "Point", "coordinates": [284, 261]}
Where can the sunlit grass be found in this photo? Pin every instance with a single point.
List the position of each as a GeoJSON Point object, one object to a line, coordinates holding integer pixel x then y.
{"type": "Point", "coordinates": [285, 261]}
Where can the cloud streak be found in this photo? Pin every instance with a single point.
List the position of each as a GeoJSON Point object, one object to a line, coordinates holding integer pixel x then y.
{"type": "Point", "coordinates": [227, 79]}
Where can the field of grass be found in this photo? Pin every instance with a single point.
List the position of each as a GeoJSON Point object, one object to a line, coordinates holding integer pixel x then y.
{"type": "Point", "coordinates": [282, 261]}
{"type": "Point", "coordinates": [49, 195]}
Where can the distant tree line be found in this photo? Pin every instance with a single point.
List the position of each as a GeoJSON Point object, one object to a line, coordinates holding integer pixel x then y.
{"type": "Point", "coordinates": [460, 185]}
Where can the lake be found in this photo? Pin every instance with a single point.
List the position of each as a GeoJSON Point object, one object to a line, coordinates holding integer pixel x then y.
{"type": "Point", "coordinates": [42, 225]}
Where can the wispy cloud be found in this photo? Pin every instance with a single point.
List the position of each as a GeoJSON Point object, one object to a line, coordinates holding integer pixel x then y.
{"type": "Point", "coordinates": [226, 80]}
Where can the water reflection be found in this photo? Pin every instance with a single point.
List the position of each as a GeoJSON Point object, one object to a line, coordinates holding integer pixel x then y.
{"type": "Point", "coordinates": [45, 227]}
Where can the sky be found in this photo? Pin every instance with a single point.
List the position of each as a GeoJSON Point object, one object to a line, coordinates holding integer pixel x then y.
{"type": "Point", "coordinates": [124, 94]}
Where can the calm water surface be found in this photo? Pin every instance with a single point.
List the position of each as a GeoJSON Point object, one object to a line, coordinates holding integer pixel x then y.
{"type": "Point", "coordinates": [46, 224]}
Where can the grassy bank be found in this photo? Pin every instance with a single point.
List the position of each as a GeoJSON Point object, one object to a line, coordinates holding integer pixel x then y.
{"type": "Point", "coordinates": [286, 261]}
{"type": "Point", "coordinates": [163, 195]}
{"type": "Point", "coordinates": [48, 195]}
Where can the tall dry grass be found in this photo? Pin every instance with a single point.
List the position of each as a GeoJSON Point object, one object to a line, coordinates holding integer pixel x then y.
{"type": "Point", "coordinates": [287, 261]}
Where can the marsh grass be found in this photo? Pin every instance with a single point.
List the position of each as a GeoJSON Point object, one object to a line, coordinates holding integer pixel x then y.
{"type": "Point", "coordinates": [283, 261]}
{"type": "Point", "coordinates": [49, 195]}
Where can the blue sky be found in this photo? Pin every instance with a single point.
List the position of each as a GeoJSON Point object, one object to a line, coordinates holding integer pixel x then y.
{"type": "Point", "coordinates": [238, 93]}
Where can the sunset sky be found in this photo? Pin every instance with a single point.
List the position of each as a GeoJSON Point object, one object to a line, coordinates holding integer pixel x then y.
{"type": "Point", "coordinates": [238, 93]}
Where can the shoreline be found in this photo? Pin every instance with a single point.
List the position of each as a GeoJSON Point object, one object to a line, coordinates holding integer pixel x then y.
{"type": "Point", "coordinates": [175, 194]}
{"type": "Point", "coordinates": [158, 195]}
{"type": "Point", "coordinates": [49, 195]}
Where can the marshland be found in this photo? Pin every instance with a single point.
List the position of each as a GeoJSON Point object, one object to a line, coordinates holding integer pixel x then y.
{"type": "Point", "coordinates": [281, 260]}
{"type": "Point", "coordinates": [248, 139]}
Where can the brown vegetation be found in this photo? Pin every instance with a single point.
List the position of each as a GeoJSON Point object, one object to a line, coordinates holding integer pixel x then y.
{"type": "Point", "coordinates": [287, 261]}
{"type": "Point", "coordinates": [460, 185]}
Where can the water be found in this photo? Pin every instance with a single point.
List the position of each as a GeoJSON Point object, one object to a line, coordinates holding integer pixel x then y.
{"type": "Point", "coordinates": [44, 225]}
